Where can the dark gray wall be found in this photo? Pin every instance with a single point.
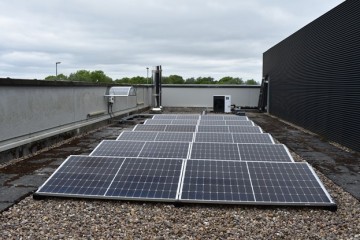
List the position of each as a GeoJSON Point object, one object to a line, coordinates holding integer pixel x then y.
{"type": "Point", "coordinates": [315, 76]}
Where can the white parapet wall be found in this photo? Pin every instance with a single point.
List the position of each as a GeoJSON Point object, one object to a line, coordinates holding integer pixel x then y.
{"type": "Point", "coordinates": [32, 110]}
{"type": "Point", "coordinates": [199, 95]}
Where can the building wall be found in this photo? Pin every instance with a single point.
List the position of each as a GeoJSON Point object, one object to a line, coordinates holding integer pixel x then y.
{"type": "Point", "coordinates": [31, 110]}
{"type": "Point", "coordinates": [315, 76]}
{"type": "Point", "coordinates": [202, 95]}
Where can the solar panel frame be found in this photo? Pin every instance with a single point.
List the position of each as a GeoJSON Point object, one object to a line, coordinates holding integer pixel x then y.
{"type": "Point", "coordinates": [115, 148]}
{"type": "Point", "coordinates": [214, 151]}
{"type": "Point", "coordinates": [264, 152]}
{"type": "Point", "coordinates": [148, 127]}
{"type": "Point", "coordinates": [130, 185]}
{"type": "Point", "coordinates": [165, 150]}
{"type": "Point", "coordinates": [231, 129]}
{"type": "Point", "coordinates": [137, 136]}
{"type": "Point", "coordinates": [158, 121]}
{"type": "Point", "coordinates": [245, 129]}
{"type": "Point", "coordinates": [223, 117]}
{"type": "Point", "coordinates": [197, 184]}
{"type": "Point", "coordinates": [207, 137]}
{"type": "Point", "coordinates": [248, 182]}
{"type": "Point", "coordinates": [175, 136]}
{"type": "Point", "coordinates": [78, 183]}
{"type": "Point", "coordinates": [180, 128]}
{"type": "Point", "coordinates": [156, 183]}
{"type": "Point", "coordinates": [275, 180]}
{"type": "Point", "coordinates": [252, 138]}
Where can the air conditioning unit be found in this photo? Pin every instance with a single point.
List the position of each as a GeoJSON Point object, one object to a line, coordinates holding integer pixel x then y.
{"type": "Point", "coordinates": [222, 103]}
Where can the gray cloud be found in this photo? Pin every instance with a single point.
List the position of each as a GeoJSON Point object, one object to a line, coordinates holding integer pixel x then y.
{"type": "Point", "coordinates": [190, 38]}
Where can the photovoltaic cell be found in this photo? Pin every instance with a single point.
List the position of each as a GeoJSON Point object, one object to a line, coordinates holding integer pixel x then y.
{"type": "Point", "coordinates": [252, 138]}
{"type": "Point", "coordinates": [245, 129]}
{"type": "Point", "coordinates": [220, 129]}
{"type": "Point", "coordinates": [174, 136]}
{"type": "Point", "coordinates": [185, 122]}
{"type": "Point", "coordinates": [180, 128]}
{"type": "Point", "coordinates": [158, 121]}
{"type": "Point", "coordinates": [223, 117]}
{"type": "Point", "coordinates": [286, 183]}
{"type": "Point", "coordinates": [82, 175]}
{"type": "Point", "coordinates": [118, 148]}
{"type": "Point", "coordinates": [147, 179]}
{"type": "Point", "coordinates": [216, 181]}
{"type": "Point", "coordinates": [213, 137]}
{"type": "Point", "coordinates": [239, 123]}
{"type": "Point", "coordinates": [215, 151]}
{"type": "Point", "coordinates": [165, 150]}
{"type": "Point", "coordinates": [176, 116]}
{"type": "Point", "coordinates": [264, 152]}
{"type": "Point", "coordinates": [212, 122]}
{"type": "Point", "coordinates": [231, 129]}
{"type": "Point", "coordinates": [137, 136]}
{"type": "Point", "coordinates": [148, 127]}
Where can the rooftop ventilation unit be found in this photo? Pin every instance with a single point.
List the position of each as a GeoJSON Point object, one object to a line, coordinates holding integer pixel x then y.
{"type": "Point", "coordinates": [222, 103]}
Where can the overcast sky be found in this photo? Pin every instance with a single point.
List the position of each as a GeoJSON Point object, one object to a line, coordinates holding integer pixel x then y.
{"type": "Point", "coordinates": [190, 38]}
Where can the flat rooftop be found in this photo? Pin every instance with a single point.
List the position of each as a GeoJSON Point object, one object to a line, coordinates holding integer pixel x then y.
{"type": "Point", "coordinates": [21, 216]}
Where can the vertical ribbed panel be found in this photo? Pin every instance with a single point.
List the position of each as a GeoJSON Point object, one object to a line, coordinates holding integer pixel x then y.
{"type": "Point", "coordinates": [315, 76]}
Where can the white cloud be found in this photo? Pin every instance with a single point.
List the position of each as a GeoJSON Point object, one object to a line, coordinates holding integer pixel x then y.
{"type": "Point", "coordinates": [189, 38]}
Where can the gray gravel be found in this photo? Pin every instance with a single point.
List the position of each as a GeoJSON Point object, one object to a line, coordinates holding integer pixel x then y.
{"type": "Point", "coordinates": [96, 219]}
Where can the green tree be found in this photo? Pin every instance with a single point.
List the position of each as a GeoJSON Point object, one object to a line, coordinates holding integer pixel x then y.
{"type": "Point", "coordinates": [251, 82]}
{"type": "Point", "coordinates": [173, 79]}
{"type": "Point", "coordinates": [80, 76]}
{"type": "Point", "coordinates": [204, 80]}
{"type": "Point", "coordinates": [190, 80]}
{"type": "Point", "coordinates": [230, 80]}
{"type": "Point", "coordinates": [60, 77]}
{"type": "Point", "coordinates": [99, 76]}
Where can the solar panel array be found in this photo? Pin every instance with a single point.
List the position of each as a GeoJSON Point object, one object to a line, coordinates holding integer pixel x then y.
{"type": "Point", "coordinates": [190, 158]}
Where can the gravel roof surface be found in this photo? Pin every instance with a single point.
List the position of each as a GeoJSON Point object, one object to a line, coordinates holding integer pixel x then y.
{"type": "Point", "coordinates": [55, 218]}
{"type": "Point", "coordinates": [96, 219]}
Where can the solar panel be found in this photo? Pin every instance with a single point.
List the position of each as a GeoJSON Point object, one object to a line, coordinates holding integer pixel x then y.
{"type": "Point", "coordinates": [188, 116]}
{"type": "Point", "coordinates": [225, 123]}
{"type": "Point", "coordinates": [141, 149]}
{"type": "Point", "coordinates": [264, 152]}
{"type": "Point", "coordinates": [245, 129]}
{"type": "Point", "coordinates": [258, 183]}
{"type": "Point", "coordinates": [225, 159]}
{"type": "Point", "coordinates": [83, 176]}
{"type": "Point", "coordinates": [231, 129]}
{"type": "Point", "coordinates": [165, 116]}
{"type": "Point", "coordinates": [180, 128]}
{"type": "Point", "coordinates": [175, 136]}
{"type": "Point", "coordinates": [220, 129]}
{"type": "Point", "coordinates": [147, 127]}
{"type": "Point", "coordinates": [147, 179]}
{"type": "Point", "coordinates": [176, 116]}
{"type": "Point", "coordinates": [115, 178]}
{"type": "Point", "coordinates": [290, 183]}
{"type": "Point", "coordinates": [215, 151]}
{"type": "Point", "coordinates": [165, 150]}
{"type": "Point", "coordinates": [212, 122]}
{"type": "Point", "coordinates": [137, 136]}
{"type": "Point", "coordinates": [213, 137]}
{"type": "Point", "coordinates": [118, 148]}
{"type": "Point", "coordinates": [216, 181]}
{"type": "Point", "coordinates": [158, 121]}
{"type": "Point", "coordinates": [252, 138]}
{"type": "Point", "coordinates": [223, 117]}
{"type": "Point", "coordinates": [239, 123]}
{"type": "Point", "coordinates": [185, 122]}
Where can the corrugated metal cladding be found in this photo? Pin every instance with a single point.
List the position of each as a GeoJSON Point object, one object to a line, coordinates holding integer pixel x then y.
{"type": "Point", "coordinates": [315, 76]}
